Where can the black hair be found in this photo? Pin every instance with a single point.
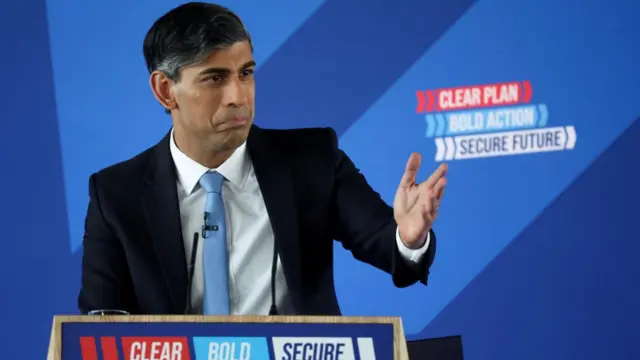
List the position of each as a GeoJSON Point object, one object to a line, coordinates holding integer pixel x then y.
{"type": "Point", "coordinates": [188, 34]}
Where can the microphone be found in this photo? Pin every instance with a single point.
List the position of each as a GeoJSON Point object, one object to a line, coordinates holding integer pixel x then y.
{"type": "Point", "coordinates": [192, 267]}
{"type": "Point", "coordinates": [206, 227]}
{"type": "Point", "coordinates": [274, 265]}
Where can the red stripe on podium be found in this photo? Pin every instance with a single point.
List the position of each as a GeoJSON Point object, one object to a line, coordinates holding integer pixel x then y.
{"type": "Point", "coordinates": [109, 348]}
{"type": "Point", "coordinates": [88, 348]}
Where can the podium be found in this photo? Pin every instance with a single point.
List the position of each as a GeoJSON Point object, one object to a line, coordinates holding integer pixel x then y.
{"type": "Point", "coordinates": [197, 337]}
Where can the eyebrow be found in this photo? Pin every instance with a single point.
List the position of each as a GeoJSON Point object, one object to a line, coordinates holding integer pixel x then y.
{"type": "Point", "coordinates": [214, 70]}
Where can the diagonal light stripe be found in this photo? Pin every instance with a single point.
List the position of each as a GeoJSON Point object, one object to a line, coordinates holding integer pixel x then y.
{"type": "Point", "coordinates": [345, 57]}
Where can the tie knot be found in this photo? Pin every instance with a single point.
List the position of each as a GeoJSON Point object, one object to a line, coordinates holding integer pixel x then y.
{"type": "Point", "coordinates": [212, 182]}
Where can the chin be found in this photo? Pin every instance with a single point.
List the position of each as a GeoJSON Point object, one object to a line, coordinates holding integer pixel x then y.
{"type": "Point", "coordinates": [234, 139]}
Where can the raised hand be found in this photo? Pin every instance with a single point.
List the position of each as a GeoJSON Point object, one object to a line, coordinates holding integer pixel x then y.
{"type": "Point", "coordinates": [415, 206]}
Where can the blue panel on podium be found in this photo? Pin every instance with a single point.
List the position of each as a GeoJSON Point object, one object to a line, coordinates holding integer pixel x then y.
{"type": "Point", "coordinates": [226, 341]}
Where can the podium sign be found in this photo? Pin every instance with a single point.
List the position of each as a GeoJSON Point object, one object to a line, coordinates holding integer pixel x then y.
{"type": "Point", "coordinates": [193, 337]}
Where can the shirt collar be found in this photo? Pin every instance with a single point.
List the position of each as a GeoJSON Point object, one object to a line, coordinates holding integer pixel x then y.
{"type": "Point", "coordinates": [235, 169]}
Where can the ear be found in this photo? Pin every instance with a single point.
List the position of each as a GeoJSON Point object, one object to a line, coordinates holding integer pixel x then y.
{"type": "Point", "coordinates": [161, 86]}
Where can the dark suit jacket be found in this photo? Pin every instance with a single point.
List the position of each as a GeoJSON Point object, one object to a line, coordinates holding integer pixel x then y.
{"type": "Point", "coordinates": [134, 258]}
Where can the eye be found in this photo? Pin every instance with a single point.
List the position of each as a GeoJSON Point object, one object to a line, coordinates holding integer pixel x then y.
{"type": "Point", "coordinates": [214, 78]}
{"type": "Point", "coordinates": [246, 73]}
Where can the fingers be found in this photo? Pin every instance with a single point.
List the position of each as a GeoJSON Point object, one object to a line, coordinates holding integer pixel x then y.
{"type": "Point", "coordinates": [438, 189]}
{"type": "Point", "coordinates": [430, 193]}
{"type": "Point", "coordinates": [434, 196]}
{"type": "Point", "coordinates": [438, 176]}
{"type": "Point", "coordinates": [440, 172]}
{"type": "Point", "coordinates": [411, 170]}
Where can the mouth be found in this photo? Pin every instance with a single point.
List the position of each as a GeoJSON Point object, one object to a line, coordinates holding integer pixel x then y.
{"type": "Point", "coordinates": [235, 122]}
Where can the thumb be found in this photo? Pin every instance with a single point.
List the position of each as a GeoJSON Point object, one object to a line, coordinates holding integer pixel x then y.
{"type": "Point", "coordinates": [411, 170]}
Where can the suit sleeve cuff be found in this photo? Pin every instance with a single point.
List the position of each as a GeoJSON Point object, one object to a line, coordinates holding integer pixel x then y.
{"type": "Point", "coordinates": [412, 256]}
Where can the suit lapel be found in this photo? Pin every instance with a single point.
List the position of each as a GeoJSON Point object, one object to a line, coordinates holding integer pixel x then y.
{"type": "Point", "coordinates": [160, 200]}
{"type": "Point", "coordinates": [276, 184]}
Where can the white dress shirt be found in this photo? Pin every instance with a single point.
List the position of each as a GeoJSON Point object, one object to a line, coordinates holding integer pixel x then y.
{"type": "Point", "coordinates": [250, 239]}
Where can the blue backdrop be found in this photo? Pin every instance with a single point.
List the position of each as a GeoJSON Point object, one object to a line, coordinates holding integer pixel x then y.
{"type": "Point", "coordinates": [532, 103]}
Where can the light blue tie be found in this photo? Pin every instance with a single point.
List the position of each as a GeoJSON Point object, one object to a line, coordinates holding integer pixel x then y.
{"type": "Point", "coordinates": [214, 233]}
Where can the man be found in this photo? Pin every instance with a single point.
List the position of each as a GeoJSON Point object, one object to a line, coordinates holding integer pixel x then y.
{"type": "Point", "coordinates": [263, 206]}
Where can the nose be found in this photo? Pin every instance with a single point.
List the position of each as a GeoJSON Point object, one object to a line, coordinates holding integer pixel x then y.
{"type": "Point", "coordinates": [234, 95]}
